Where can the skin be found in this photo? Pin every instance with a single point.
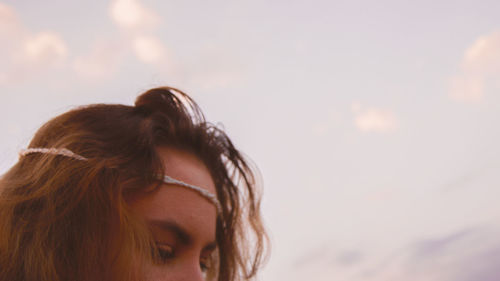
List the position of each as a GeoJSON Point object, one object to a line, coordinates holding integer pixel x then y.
{"type": "Point", "coordinates": [183, 222]}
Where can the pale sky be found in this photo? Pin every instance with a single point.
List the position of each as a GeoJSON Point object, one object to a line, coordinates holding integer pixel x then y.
{"type": "Point", "coordinates": [374, 123]}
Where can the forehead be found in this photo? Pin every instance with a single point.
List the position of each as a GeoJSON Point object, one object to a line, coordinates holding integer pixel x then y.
{"type": "Point", "coordinates": [186, 207]}
{"type": "Point", "coordinates": [186, 167]}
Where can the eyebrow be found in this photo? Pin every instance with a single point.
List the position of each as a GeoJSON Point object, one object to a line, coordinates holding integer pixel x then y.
{"type": "Point", "coordinates": [180, 233]}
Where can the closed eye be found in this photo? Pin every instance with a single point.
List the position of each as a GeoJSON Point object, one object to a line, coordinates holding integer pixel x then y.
{"type": "Point", "coordinates": [208, 258]}
{"type": "Point", "coordinates": [205, 264]}
{"type": "Point", "coordinates": [164, 253]}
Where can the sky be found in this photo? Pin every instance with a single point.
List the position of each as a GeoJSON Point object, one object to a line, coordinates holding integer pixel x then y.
{"type": "Point", "coordinates": [374, 124]}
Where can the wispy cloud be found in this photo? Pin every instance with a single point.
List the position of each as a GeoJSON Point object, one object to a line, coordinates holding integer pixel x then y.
{"type": "Point", "coordinates": [467, 88]}
{"type": "Point", "coordinates": [9, 21]}
{"type": "Point", "coordinates": [149, 49]}
{"type": "Point", "coordinates": [427, 248]}
{"type": "Point", "coordinates": [46, 48]}
{"type": "Point", "coordinates": [466, 255]}
{"type": "Point", "coordinates": [213, 67]}
{"type": "Point", "coordinates": [480, 63]}
{"type": "Point", "coordinates": [325, 263]}
{"type": "Point", "coordinates": [139, 22]}
{"type": "Point", "coordinates": [460, 256]}
{"type": "Point", "coordinates": [132, 14]}
{"type": "Point", "coordinates": [100, 62]}
{"type": "Point", "coordinates": [484, 54]}
{"type": "Point", "coordinates": [373, 119]}
{"type": "Point", "coordinates": [25, 53]}
{"type": "Point", "coordinates": [349, 258]}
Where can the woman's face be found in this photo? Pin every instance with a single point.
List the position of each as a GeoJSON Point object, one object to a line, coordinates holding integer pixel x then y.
{"type": "Point", "coordinates": [182, 221]}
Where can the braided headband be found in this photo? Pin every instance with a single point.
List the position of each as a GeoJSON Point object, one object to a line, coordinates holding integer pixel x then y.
{"type": "Point", "coordinates": [166, 179]}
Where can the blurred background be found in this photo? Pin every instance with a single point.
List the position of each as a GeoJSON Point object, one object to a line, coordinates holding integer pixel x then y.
{"type": "Point", "coordinates": [375, 124]}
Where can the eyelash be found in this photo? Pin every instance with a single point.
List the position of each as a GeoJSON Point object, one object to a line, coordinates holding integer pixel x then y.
{"type": "Point", "coordinates": [205, 266]}
{"type": "Point", "coordinates": [165, 255]}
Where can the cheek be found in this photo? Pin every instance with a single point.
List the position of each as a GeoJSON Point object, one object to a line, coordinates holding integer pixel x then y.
{"type": "Point", "coordinates": [159, 273]}
{"type": "Point", "coordinates": [155, 273]}
{"type": "Point", "coordinates": [180, 270]}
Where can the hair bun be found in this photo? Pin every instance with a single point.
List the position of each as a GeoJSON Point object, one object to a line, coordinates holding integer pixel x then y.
{"type": "Point", "coordinates": [158, 99]}
{"type": "Point", "coordinates": [168, 100]}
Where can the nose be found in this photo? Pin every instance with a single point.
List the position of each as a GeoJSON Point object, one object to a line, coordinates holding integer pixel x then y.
{"type": "Point", "coordinates": [191, 271]}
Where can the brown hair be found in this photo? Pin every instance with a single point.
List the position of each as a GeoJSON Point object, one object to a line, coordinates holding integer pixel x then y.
{"type": "Point", "coordinates": [66, 219]}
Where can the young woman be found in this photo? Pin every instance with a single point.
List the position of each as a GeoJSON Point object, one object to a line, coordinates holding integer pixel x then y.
{"type": "Point", "coordinates": [144, 192]}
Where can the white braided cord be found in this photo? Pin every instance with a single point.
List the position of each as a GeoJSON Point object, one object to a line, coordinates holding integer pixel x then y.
{"type": "Point", "coordinates": [203, 192]}
{"type": "Point", "coordinates": [55, 151]}
{"type": "Point", "coordinates": [166, 179]}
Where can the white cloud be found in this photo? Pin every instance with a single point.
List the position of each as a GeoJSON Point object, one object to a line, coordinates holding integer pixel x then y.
{"type": "Point", "coordinates": [132, 14]}
{"type": "Point", "coordinates": [10, 37]}
{"type": "Point", "coordinates": [373, 119]}
{"type": "Point", "coordinates": [467, 88]}
{"type": "Point", "coordinates": [101, 62]}
{"type": "Point", "coordinates": [484, 54]}
{"type": "Point", "coordinates": [45, 47]}
{"type": "Point", "coordinates": [480, 64]}
{"type": "Point", "coordinates": [149, 49]}
{"type": "Point", "coordinates": [25, 54]}
{"type": "Point", "coordinates": [8, 20]}
{"type": "Point", "coordinates": [135, 18]}
{"type": "Point", "coordinates": [6, 13]}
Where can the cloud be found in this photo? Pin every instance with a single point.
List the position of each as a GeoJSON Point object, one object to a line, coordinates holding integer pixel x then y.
{"type": "Point", "coordinates": [9, 36]}
{"type": "Point", "coordinates": [45, 47]}
{"type": "Point", "coordinates": [101, 62]}
{"type": "Point", "coordinates": [467, 88]}
{"type": "Point", "coordinates": [484, 54]}
{"type": "Point", "coordinates": [9, 22]}
{"type": "Point", "coordinates": [349, 258]}
{"type": "Point", "coordinates": [7, 14]}
{"type": "Point", "coordinates": [208, 70]}
{"type": "Point", "coordinates": [373, 119]}
{"type": "Point", "coordinates": [480, 64]}
{"type": "Point", "coordinates": [131, 14]}
{"type": "Point", "coordinates": [488, 270]}
{"type": "Point", "coordinates": [466, 255]}
{"type": "Point", "coordinates": [149, 49]}
{"type": "Point", "coordinates": [133, 17]}
{"type": "Point", "coordinates": [428, 248]}
{"type": "Point", "coordinates": [26, 54]}
{"type": "Point", "coordinates": [324, 263]}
